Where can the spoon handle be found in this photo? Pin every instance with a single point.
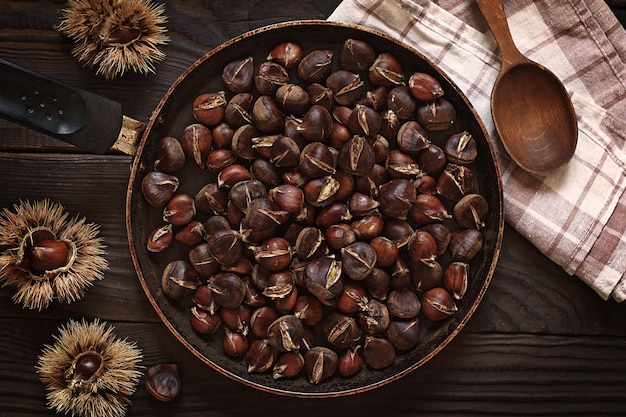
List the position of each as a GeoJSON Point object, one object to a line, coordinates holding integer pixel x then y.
{"type": "Point", "coordinates": [493, 13]}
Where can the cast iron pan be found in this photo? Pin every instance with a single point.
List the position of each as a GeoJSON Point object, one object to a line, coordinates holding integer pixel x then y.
{"type": "Point", "coordinates": [174, 113]}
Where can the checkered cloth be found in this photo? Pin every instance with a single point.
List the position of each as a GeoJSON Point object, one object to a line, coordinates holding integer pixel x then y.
{"type": "Point", "coordinates": [576, 216]}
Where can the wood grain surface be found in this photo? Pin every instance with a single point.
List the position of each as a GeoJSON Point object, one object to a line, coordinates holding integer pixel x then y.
{"type": "Point", "coordinates": [541, 342]}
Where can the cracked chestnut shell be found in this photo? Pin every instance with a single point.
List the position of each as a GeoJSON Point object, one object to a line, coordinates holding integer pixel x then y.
{"type": "Point", "coordinates": [356, 156]}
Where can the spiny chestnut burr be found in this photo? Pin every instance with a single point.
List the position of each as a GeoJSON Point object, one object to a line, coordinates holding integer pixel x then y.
{"type": "Point", "coordinates": [465, 244]}
{"type": "Point", "coordinates": [228, 288]}
{"type": "Point", "coordinates": [385, 71]}
{"type": "Point", "coordinates": [378, 352]}
{"type": "Point", "coordinates": [316, 160]}
{"type": "Point", "coordinates": [461, 148]}
{"type": "Point", "coordinates": [412, 138]}
{"type": "Point", "coordinates": [158, 187]}
{"type": "Point", "coordinates": [341, 330]}
{"type": "Point", "coordinates": [261, 356]}
{"type": "Point", "coordinates": [196, 141]}
{"type": "Point", "coordinates": [169, 156]}
{"type": "Point", "coordinates": [160, 238]}
{"type": "Point", "coordinates": [163, 381]}
{"type": "Point", "coordinates": [347, 87]}
{"type": "Point", "coordinates": [288, 365]}
{"type": "Point", "coordinates": [274, 254]}
{"type": "Point", "coordinates": [179, 279]}
{"type": "Point", "coordinates": [455, 182]}
{"type": "Point", "coordinates": [396, 198]}
{"type": "Point", "coordinates": [316, 66]}
{"type": "Point", "coordinates": [356, 156]}
{"type": "Point", "coordinates": [234, 344]}
{"type": "Point", "coordinates": [471, 211]}
{"type": "Point", "coordinates": [403, 334]}
{"type": "Point", "coordinates": [48, 254]}
{"type": "Point", "coordinates": [358, 260]}
{"type": "Point", "coordinates": [287, 54]}
{"type": "Point", "coordinates": [204, 322]}
{"type": "Point", "coordinates": [424, 86]}
{"type": "Point", "coordinates": [285, 333]}
{"type": "Point", "coordinates": [320, 363]}
{"type": "Point", "coordinates": [456, 279]}
{"type": "Point", "coordinates": [225, 246]}
{"type": "Point", "coordinates": [437, 304]}
{"type": "Point", "coordinates": [436, 115]}
{"type": "Point", "coordinates": [208, 108]}
{"type": "Point", "coordinates": [322, 277]}
{"type": "Point", "coordinates": [350, 362]}
{"type": "Point", "coordinates": [238, 75]}
{"type": "Point", "coordinates": [269, 76]}
{"type": "Point", "coordinates": [356, 55]}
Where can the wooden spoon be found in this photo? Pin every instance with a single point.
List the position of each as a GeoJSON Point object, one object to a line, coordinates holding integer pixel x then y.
{"type": "Point", "coordinates": [531, 109]}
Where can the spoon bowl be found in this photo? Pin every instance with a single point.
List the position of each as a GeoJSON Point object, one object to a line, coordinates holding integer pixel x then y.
{"type": "Point", "coordinates": [531, 109]}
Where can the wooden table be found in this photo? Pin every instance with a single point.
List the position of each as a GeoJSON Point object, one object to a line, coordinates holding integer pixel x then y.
{"type": "Point", "coordinates": [540, 343]}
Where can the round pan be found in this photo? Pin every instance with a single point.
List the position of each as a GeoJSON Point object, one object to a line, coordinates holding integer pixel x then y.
{"type": "Point", "coordinates": [174, 113]}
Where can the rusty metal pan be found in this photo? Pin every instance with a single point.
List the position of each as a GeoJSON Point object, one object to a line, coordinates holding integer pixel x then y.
{"type": "Point", "coordinates": [174, 113]}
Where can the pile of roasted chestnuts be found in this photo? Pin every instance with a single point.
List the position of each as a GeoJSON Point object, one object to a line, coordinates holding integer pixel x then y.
{"type": "Point", "coordinates": [330, 224]}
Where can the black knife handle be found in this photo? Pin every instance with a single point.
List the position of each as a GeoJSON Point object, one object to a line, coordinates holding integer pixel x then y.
{"type": "Point", "coordinates": [70, 114]}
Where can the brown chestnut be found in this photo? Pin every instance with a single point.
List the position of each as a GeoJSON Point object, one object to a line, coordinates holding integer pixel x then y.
{"type": "Point", "coordinates": [208, 108]}
{"type": "Point", "coordinates": [238, 75]}
{"type": "Point", "coordinates": [158, 187]}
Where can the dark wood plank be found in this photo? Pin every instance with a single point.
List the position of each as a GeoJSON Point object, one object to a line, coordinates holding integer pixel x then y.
{"type": "Point", "coordinates": [477, 373]}
{"type": "Point", "coordinates": [541, 343]}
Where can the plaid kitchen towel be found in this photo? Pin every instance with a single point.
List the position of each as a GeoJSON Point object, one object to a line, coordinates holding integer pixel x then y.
{"type": "Point", "coordinates": [576, 216]}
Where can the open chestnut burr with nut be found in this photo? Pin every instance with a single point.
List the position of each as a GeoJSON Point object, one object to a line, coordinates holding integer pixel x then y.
{"type": "Point", "coordinates": [331, 225]}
